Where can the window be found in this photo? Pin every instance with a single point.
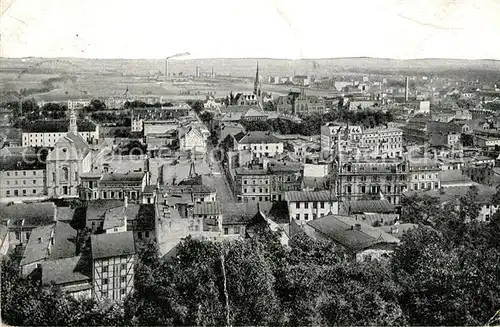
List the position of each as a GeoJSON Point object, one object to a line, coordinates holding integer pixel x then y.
{"type": "Point", "coordinates": [297, 205]}
{"type": "Point", "coordinates": [28, 236]}
{"type": "Point", "coordinates": [306, 216]}
{"type": "Point", "coordinates": [18, 235]}
{"type": "Point", "coordinates": [64, 173]}
{"type": "Point", "coordinates": [147, 234]}
{"type": "Point", "coordinates": [24, 182]}
{"type": "Point", "coordinates": [245, 182]}
{"type": "Point", "coordinates": [34, 191]}
{"type": "Point", "coordinates": [105, 269]}
{"type": "Point", "coordinates": [8, 192]}
{"type": "Point", "coordinates": [8, 174]}
{"type": "Point", "coordinates": [123, 279]}
{"type": "Point", "coordinates": [34, 173]}
{"type": "Point", "coordinates": [322, 205]}
{"type": "Point", "coordinates": [315, 205]}
{"type": "Point", "coordinates": [34, 181]}
{"type": "Point", "coordinates": [24, 192]}
{"type": "Point", "coordinates": [104, 294]}
{"type": "Point", "coordinates": [237, 230]}
{"type": "Point", "coordinates": [226, 231]}
{"type": "Point", "coordinates": [297, 216]}
{"type": "Point", "coordinates": [122, 291]}
{"type": "Point", "coordinates": [306, 205]}
{"type": "Point", "coordinates": [123, 266]}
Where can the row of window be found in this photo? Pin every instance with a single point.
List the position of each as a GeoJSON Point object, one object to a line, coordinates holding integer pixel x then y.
{"type": "Point", "coordinates": [422, 176]}
{"type": "Point", "coordinates": [306, 216]}
{"type": "Point", "coordinates": [245, 190]}
{"type": "Point", "coordinates": [375, 178]}
{"type": "Point", "coordinates": [123, 266]}
{"type": "Point", "coordinates": [261, 198]}
{"type": "Point", "coordinates": [314, 204]}
{"type": "Point", "coordinates": [375, 189]}
{"type": "Point", "coordinates": [425, 186]}
{"type": "Point", "coordinates": [24, 182]}
{"type": "Point", "coordinates": [261, 181]}
{"type": "Point", "coordinates": [123, 291]}
{"type": "Point", "coordinates": [17, 192]}
{"type": "Point", "coordinates": [375, 168]}
{"type": "Point", "coordinates": [24, 173]}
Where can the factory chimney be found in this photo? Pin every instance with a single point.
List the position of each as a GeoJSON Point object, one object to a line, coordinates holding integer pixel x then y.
{"type": "Point", "coordinates": [406, 88]}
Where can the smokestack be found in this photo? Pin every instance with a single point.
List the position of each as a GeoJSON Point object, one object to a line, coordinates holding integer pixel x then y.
{"type": "Point", "coordinates": [197, 71]}
{"type": "Point", "coordinates": [406, 88]}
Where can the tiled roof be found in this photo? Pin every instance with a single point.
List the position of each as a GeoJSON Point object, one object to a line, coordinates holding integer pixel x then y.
{"type": "Point", "coordinates": [373, 206]}
{"type": "Point", "coordinates": [238, 213]}
{"type": "Point", "coordinates": [112, 245]}
{"type": "Point", "coordinates": [254, 113]}
{"type": "Point", "coordinates": [38, 244]}
{"type": "Point", "coordinates": [398, 230]}
{"type": "Point", "coordinates": [114, 218]}
{"type": "Point", "coordinates": [64, 213]}
{"type": "Point", "coordinates": [308, 196]}
{"type": "Point", "coordinates": [342, 229]}
{"type": "Point", "coordinates": [97, 208]}
{"type": "Point", "coordinates": [246, 171]}
{"type": "Point", "coordinates": [64, 242]}
{"type": "Point", "coordinates": [79, 143]}
{"type": "Point", "coordinates": [259, 137]}
{"type": "Point", "coordinates": [127, 177]}
{"type": "Point", "coordinates": [62, 271]}
{"type": "Point", "coordinates": [21, 163]}
{"type": "Point", "coordinates": [449, 193]}
{"type": "Point", "coordinates": [207, 208]}
{"type": "Point", "coordinates": [37, 214]}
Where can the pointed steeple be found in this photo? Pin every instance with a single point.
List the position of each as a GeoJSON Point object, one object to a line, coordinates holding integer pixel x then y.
{"type": "Point", "coordinates": [256, 82]}
{"type": "Point", "coordinates": [73, 127]}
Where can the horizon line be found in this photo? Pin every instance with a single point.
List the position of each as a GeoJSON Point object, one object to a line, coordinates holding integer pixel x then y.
{"type": "Point", "coordinates": [255, 58]}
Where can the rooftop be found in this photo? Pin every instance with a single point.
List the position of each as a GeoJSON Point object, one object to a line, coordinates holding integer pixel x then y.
{"type": "Point", "coordinates": [371, 206]}
{"type": "Point", "coordinates": [112, 245]}
{"type": "Point", "coordinates": [64, 241]}
{"type": "Point", "coordinates": [114, 217]}
{"type": "Point", "coordinates": [119, 177]}
{"type": "Point", "coordinates": [308, 196]}
{"type": "Point", "coordinates": [259, 137]}
{"type": "Point", "coordinates": [62, 271]}
{"type": "Point", "coordinates": [38, 244]}
{"type": "Point", "coordinates": [207, 208]}
{"type": "Point", "coordinates": [352, 234]}
{"type": "Point", "coordinates": [32, 162]}
{"type": "Point", "coordinates": [34, 214]}
{"type": "Point", "coordinates": [58, 126]}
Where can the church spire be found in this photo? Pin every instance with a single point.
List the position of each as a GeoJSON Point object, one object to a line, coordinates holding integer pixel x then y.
{"type": "Point", "coordinates": [73, 128]}
{"type": "Point", "coordinates": [256, 82]}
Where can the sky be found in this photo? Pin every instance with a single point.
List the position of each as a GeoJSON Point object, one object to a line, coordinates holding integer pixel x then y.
{"type": "Point", "coordinates": [293, 29]}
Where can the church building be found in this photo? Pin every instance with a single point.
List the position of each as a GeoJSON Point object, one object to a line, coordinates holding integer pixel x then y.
{"type": "Point", "coordinates": [70, 158]}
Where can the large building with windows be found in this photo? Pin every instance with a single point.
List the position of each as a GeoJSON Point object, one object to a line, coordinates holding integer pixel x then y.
{"type": "Point", "coordinates": [22, 178]}
{"type": "Point", "coordinates": [46, 133]}
{"type": "Point", "coordinates": [370, 178]}
{"type": "Point", "coordinates": [378, 142]}
{"type": "Point", "coordinates": [261, 144]}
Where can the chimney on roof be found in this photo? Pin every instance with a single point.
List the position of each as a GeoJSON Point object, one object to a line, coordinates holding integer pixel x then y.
{"type": "Point", "coordinates": [357, 227]}
{"type": "Point", "coordinates": [39, 240]}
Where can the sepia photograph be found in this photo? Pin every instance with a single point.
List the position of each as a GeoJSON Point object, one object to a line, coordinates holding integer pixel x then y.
{"type": "Point", "coordinates": [250, 163]}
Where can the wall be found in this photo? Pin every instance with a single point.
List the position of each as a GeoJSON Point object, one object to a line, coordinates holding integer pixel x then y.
{"type": "Point", "coordinates": [310, 210]}
{"type": "Point", "coordinates": [27, 183]}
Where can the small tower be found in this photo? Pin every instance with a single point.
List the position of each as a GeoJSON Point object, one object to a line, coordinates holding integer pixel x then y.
{"type": "Point", "coordinates": [73, 128]}
{"type": "Point", "coordinates": [256, 82]}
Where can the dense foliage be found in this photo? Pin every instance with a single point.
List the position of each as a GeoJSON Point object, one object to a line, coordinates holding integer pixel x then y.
{"type": "Point", "coordinates": [311, 125]}
{"type": "Point", "coordinates": [446, 272]}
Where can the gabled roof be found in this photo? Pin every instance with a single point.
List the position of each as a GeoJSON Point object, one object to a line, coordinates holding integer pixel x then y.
{"type": "Point", "coordinates": [62, 271]}
{"type": "Point", "coordinates": [114, 217]}
{"type": "Point", "coordinates": [118, 178]}
{"type": "Point", "coordinates": [79, 143]}
{"type": "Point", "coordinates": [38, 244]}
{"type": "Point", "coordinates": [372, 206]}
{"type": "Point", "coordinates": [96, 209]}
{"type": "Point", "coordinates": [112, 245]}
{"type": "Point", "coordinates": [34, 214]}
{"type": "Point", "coordinates": [308, 196]}
{"type": "Point", "coordinates": [207, 208]}
{"type": "Point", "coordinates": [64, 241]}
{"type": "Point", "coordinates": [259, 137]}
{"type": "Point", "coordinates": [255, 113]}
{"type": "Point", "coordinates": [352, 234]}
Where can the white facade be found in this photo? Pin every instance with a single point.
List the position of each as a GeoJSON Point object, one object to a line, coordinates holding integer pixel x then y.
{"type": "Point", "coordinates": [261, 150]}
{"type": "Point", "coordinates": [302, 211]}
{"type": "Point", "coordinates": [49, 139]}
{"type": "Point", "coordinates": [193, 140]}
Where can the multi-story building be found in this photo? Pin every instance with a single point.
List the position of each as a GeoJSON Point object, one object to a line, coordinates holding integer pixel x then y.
{"type": "Point", "coordinates": [244, 99]}
{"type": "Point", "coordinates": [284, 177]}
{"type": "Point", "coordinates": [286, 104]}
{"type": "Point", "coordinates": [78, 104]}
{"type": "Point", "coordinates": [22, 178]}
{"type": "Point", "coordinates": [252, 185]}
{"type": "Point", "coordinates": [113, 258]}
{"type": "Point", "coordinates": [47, 133]}
{"type": "Point", "coordinates": [140, 115]}
{"type": "Point", "coordinates": [368, 178]}
{"type": "Point", "coordinates": [193, 138]}
{"type": "Point", "coordinates": [424, 174]}
{"type": "Point", "coordinates": [261, 144]}
{"type": "Point", "coordinates": [304, 206]}
{"type": "Point", "coordinates": [379, 142]}
{"type": "Point", "coordinates": [309, 104]}
{"type": "Point", "coordinates": [113, 186]}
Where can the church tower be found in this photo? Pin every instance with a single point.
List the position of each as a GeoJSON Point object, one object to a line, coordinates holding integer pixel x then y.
{"type": "Point", "coordinates": [256, 84]}
{"type": "Point", "coordinates": [73, 128]}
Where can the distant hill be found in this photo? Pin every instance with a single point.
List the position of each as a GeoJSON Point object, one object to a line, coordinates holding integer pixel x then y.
{"type": "Point", "coordinates": [246, 66]}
